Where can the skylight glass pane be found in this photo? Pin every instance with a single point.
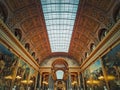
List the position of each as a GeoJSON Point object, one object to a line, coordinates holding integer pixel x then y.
{"type": "Point", "coordinates": [59, 18]}
{"type": "Point", "coordinates": [59, 74]}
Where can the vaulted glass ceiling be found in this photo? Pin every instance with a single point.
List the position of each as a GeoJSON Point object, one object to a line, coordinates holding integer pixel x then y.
{"type": "Point", "coordinates": [59, 18]}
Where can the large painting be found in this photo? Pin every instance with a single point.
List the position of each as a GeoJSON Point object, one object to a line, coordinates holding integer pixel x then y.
{"type": "Point", "coordinates": [111, 62]}
{"type": "Point", "coordinates": [104, 74]}
{"type": "Point", "coordinates": [92, 75]}
{"type": "Point", "coordinates": [14, 72]}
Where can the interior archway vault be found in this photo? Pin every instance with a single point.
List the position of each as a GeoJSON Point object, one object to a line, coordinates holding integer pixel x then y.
{"type": "Point", "coordinates": [24, 34]}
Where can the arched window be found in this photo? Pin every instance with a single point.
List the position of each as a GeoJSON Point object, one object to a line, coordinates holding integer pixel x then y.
{"type": "Point", "coordinates": [92, 47]}
{"type": "Point", "coordinates": [86, 54]}
{"type": "Point", "coordinates": [3, 12]}
{"type": "Point", "coordinates": [27, 46]}
{"type": "Point", "coordinates": [59, 74]}
{"type": "Point", "coordinates": [18, 34]}
{"type": "Point", "coordinates": [102, 34]}
{"type": "Point", "coordinates": [37, 60]}
{"type": "Point", "coordinates": [33, 54]}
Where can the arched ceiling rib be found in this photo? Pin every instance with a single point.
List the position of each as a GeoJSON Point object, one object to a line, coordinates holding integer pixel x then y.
{"type": "Point", "coordinates": [27, 15]}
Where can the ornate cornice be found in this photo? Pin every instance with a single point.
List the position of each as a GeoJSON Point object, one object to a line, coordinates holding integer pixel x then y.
{"type": "Point", "coordinates": [12, 43]}
{"type": "Point", "coordinates": [110, 41]}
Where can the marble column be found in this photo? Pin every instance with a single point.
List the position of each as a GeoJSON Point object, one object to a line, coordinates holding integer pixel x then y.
{"type": "Point", "coordinates": [81, 81]}
{"type": "Point", "coordinates": [50, 83]}
{"type": "Point", "coordinates": [38, 81]}
{"type": "Point", "coordinates": [78, 81]}
{"type": "Point", "coordinates": [69, 82]}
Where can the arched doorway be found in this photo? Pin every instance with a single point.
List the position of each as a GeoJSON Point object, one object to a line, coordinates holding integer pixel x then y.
{"type": "Point", "coordinates": [60, 71]}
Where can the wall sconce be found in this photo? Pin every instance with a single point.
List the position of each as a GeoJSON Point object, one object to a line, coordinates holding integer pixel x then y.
{"type": "Point", "coordinates": [27, 81]}
{"type": "Point", "coordinates": [74, 82]}
{"type": "Point", "coordinates": [45, 82]}
{"type": "Point", "coordinates": [93, 82]}
{"type": "Point", "coordinates": [101, 78]}
{"type": "Point", "coordinates": [8, 77]}
{"type": "Point", "coordinates": [109, 77]}
{"type": "Point", "coordinates": [18, 77]}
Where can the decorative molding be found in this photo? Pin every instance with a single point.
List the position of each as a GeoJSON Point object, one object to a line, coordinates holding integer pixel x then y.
{"type": "Point", "coordinates": [48, 69]}
{"type": "Point", "coordinates": [112, 39]}
{"type": "Point", "coordinates": [48, 62]}
{"type": "Point", "coordinates": [11, 42]}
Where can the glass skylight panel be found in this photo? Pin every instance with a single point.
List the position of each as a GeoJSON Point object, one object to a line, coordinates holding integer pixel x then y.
{"type": "Point", "coordinates": [59, 18]}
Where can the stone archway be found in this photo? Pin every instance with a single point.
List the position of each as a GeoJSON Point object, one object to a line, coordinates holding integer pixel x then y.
{"type": "Point", "coordinates": [60, 65]}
